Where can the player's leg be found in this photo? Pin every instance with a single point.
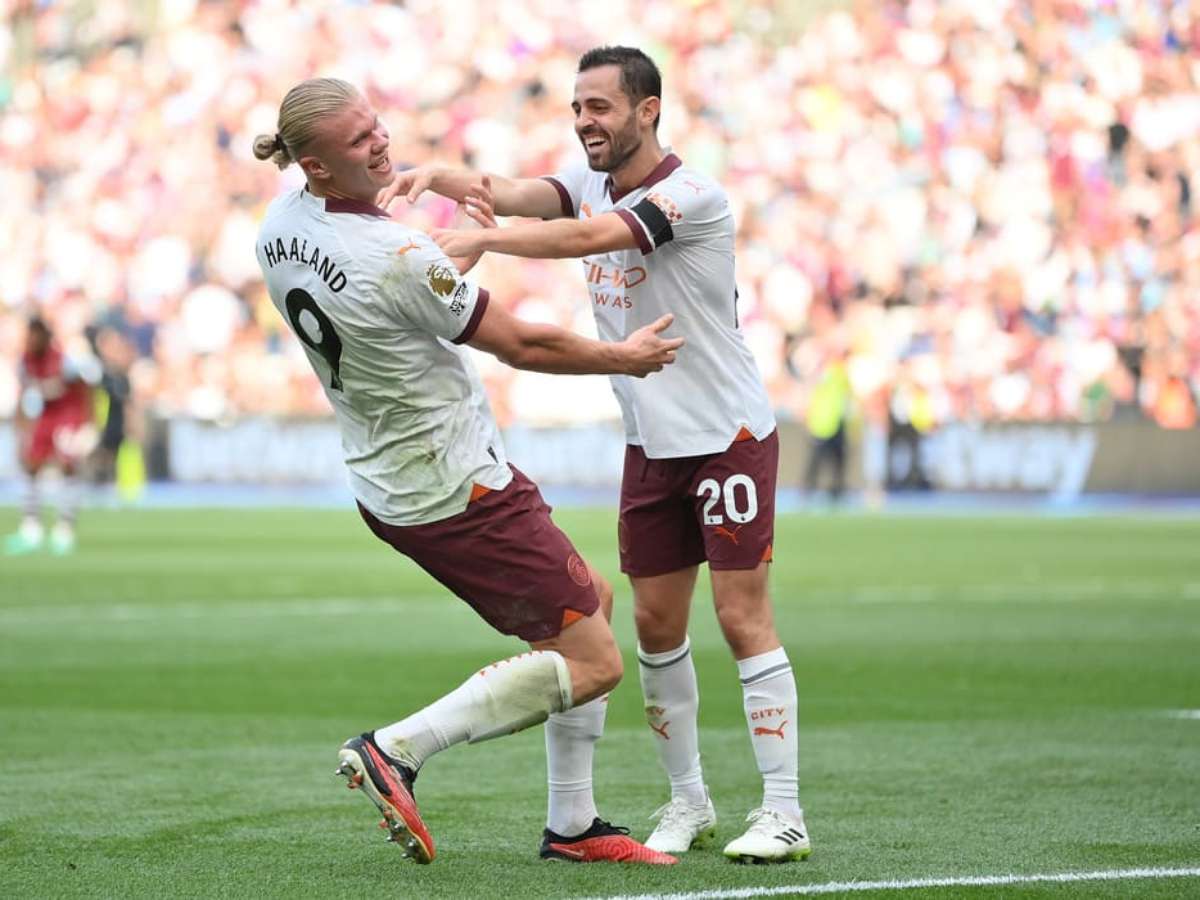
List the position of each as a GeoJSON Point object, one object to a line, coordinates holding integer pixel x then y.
{"type": "Point", "coordinates": [838, 454]}
{"type": "Point", "coordinates": [672, 703]}
{"type": "Point", "coordinates": [660, 548]}
{"type": "Point", "coordinates": [571, 737]}
{"type": "Point", "coordinates": [30, 533]}
{"type": "Point", "coordinates": [70, 488]}
{"type": "Point", "coordinates": [736, 501]}
{"type": "Point", "coordinates": [525, 579]}
{"type": "Point", "coordinates": [500, 699]}
{"type": "Point", "coordinates": [574, 830]}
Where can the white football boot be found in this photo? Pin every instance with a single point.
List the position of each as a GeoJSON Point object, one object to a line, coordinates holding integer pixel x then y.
{"type": "Point", "coordinates": [771, 837]}
{"type": "Point", "coordinates": [682, 825]}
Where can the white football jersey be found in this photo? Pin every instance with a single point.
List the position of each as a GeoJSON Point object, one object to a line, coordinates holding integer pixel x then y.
{"type": "Point", "coordinates": [684, 265]}
{"type": "Point", "coordinates": [380, 309]}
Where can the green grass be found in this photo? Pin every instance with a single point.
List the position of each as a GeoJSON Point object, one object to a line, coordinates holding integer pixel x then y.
{"type": "Point", "coordinates": [979, 696]}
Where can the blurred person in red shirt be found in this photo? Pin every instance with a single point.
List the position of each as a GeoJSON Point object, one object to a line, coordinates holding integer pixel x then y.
{"type": "Point", "coordinates": [54, 430]}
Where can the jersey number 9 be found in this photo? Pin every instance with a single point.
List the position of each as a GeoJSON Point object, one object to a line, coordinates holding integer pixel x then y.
{"type": "Point", "coordinates": [325, 342]}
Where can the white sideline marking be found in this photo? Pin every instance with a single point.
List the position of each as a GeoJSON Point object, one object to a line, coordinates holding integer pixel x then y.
{"type": "Point", "coordinates": [1007, 593]}
{"type": "Point", "coordinates": [837, 887]}
{"type": "Point", "coordinates": [255, 609]}
{"type": "Point", "coordinates": [1183, 713]}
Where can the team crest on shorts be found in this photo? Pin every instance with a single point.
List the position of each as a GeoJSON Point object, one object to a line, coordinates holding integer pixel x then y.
{"type": "Point", "coordinates": [578, 570]}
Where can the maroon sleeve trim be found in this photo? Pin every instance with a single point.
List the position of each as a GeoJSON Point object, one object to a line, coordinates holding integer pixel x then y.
{"type": "Point", "coordinates": [639, 233]}
{"type": "Point", "coordinates": [564, 197]}
{"type": "Point", "coordinates": [476, 317]}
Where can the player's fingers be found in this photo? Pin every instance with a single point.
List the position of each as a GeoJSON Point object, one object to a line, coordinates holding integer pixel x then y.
{"type": "Point", "coordinates": [674, 343]}
{"type": "Point", "coordinates": [479, 203]}
{"type": "Point", "coordinates": [662, 323]}
{"type": "Point", "coordinates": [417, 188]}
{"type": "Point", "coordinates": [477, 215]}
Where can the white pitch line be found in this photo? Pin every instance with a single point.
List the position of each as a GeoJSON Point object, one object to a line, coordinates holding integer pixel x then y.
{"type": "Point", "coordinates": [837, 887]}
{"type": "Point", "coordinates": [225, 610]}
{"type": "Point", "coordinates": [1183, 713]}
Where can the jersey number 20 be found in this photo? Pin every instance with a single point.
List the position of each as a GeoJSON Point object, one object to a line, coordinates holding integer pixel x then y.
{"type": "Point", "coordinates": [325, 342]}
{"type": "Point", "coordinates": [715, 491]}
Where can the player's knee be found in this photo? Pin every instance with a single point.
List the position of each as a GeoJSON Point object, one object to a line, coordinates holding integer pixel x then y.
{"type": "Point", "coordinates": [743, 626]}
{"type": "Point", "coordinates": [611, 669]}
{"type": "Point", "coordinates": [604, 591]}
{"type": "Point", "coordinates": [658, 630]}
{"type": "Point", "coordinates": [606, 667]}
{"type": "Point", "coordinates": [596, 669]}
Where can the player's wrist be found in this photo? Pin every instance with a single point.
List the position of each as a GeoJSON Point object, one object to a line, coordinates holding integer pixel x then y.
{"type": "Point", "coordinates": [484, 240]}
{"type": "Point", "coordinates": [627, 357]}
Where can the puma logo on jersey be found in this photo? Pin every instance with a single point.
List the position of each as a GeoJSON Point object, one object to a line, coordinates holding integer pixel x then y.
{"type": "Point", "coordinates": [778, 732]}
{"type": "Point", "coordinates": [403, 250]}
{"type": "Point", "coordinates": [732, 535]}
{"type": "Point", "coordinates": [698, 188]}
{"type": "Point", "coordinates": [586, 209]}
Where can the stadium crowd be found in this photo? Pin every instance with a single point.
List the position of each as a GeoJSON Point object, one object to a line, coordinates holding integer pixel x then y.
{"type": "Point", "coordinates": [986, 210]}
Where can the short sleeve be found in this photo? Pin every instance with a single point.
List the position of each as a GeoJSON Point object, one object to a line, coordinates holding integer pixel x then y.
{"type": "Point", "coordinates": [678, 209]}
{"type": "Point", "coordinates": [569, 184]}
{"type": "Point", "coordinates": [421, 285]}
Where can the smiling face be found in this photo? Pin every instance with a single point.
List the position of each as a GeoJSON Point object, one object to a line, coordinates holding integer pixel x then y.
{"type": "Point", "coordinates": [609, 126]}
{"type": "Point", "coordinates": [348, 155]}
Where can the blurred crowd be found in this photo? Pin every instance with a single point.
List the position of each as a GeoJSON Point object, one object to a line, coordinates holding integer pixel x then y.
{"type": "Point", "coordinates": [977, 211]}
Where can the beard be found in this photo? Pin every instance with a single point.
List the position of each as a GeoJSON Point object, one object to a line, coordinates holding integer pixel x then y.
{"type": "Point", "coordinates": [621, 146]}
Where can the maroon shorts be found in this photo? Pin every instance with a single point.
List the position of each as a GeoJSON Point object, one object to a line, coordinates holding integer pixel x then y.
{"type": "Point", "coordinates": [58, 437]}
{"type": "Point", "coordinates": [677, 513]}
{"type": "Point", "coordinates": [504, 556]}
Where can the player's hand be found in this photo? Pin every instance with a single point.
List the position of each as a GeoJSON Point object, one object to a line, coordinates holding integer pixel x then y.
{"type": "Point", "coordinates": [647, 351]}
{"type": "Point", "coordinates": [474, 212]}
{"type": "Point", "coordinates": [411, 183]}
{"type": "Point", "coordinates": [458, 243]}
{"type": "Point", "coordinates": [480, 204]}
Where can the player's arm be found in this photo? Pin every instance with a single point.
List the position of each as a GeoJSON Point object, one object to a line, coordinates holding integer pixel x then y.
{"type": "Point", "coordinates": [530, 197]}
{"type": "Point", "coordinates": [548, 348]}
{"type": "Point", "coordinates": [560, 239]}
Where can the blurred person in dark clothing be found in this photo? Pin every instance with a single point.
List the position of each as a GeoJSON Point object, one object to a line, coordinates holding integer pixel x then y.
{"type": "Point", "coordinates": [828, 411]}
{"type": "Point", "coordinates": [116, 355]}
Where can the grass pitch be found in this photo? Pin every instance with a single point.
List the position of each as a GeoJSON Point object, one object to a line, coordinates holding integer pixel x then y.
{"type": "Point", "coordinates": [978, 697]}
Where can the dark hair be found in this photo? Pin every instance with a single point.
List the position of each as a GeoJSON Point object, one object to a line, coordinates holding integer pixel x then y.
{"type": "Point", "coordinates": [37, 323]}
{"type": "Point", "coordinates": [640, 77]}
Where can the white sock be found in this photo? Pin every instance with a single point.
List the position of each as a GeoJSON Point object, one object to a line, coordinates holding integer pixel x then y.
{"type": "Point", "coordinates": [570, 744]}
{"type": "Point", "coordinates": [769, 695]}
{"type": "Point", "coordinates": [499, 699]}
{"type": "Point", "coordinates": [69, 490]}
{"type": "Point", "coordinates": [672, 706]}
{"type": "Point", "coordinates": [31, 502]}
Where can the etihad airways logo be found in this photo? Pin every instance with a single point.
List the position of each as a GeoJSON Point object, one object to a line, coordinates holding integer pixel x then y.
{"type": "Point", "coordinates": [604, 276]}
